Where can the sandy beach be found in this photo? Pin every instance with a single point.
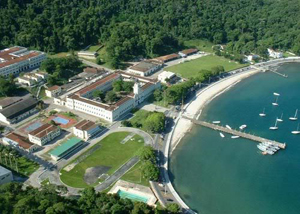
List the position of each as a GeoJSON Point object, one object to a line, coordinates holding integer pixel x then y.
{"type": "Point", "coordinates": [203, 97]}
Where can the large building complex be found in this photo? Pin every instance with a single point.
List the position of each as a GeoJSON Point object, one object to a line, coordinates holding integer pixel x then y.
{"type": "Point", "coordinates": [15, 109]}
{"type": "Point", "coordinates": [5, 175]}
{"type": "Point", "coordinates": [82, 100]}
{"type": "Point", "coordinates": [145, 68]}
{"type": "Point", "coordinates": [18, 59]}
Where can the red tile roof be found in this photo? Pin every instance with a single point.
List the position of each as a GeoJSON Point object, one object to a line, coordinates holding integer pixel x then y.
{"type": "Point", "coordinates": [19, 59]}
{"type": "Point", "coordinates": [189, 51]}
{"type": "Point", "coordinates": [96, 84]}
{"type": "Point", "coordinates": [167, 57]}
{"type": "Point", "coordinates": [85, 125]}
{"type": "Point", "coordinates": [22, 141]}
{"type": "Point", "coordinates": [5, 54]}
{"type": "Point", "coordinates": [53, 88]}
{"type": "Point", "coordinates": [43, 131]}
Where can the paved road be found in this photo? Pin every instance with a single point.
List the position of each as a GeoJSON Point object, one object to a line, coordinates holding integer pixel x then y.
{"type": "Point", "coordinates": [94, 64]}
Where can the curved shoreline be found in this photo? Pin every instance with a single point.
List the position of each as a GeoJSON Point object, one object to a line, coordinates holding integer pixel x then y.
{"type": "Point", "coordinates": [194, 109]}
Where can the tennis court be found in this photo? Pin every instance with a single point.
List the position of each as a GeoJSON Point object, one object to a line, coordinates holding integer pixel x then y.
{"type": "Point", "coordinates": [33, 126]}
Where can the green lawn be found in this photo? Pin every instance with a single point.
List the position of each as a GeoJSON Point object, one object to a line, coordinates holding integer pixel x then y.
{"type": "Point", "coordinates": [202, 45]}
{"type": "Point", "coordinates": [93, 48]}
{"type": "Point", "coordinates": [191, 68]}
{"type": "Point", "coordinates": [60, 55]}
{"type": "Point", "coordinates": [134, 175]}
{"type": "Point", "coordinates": [111, 153]}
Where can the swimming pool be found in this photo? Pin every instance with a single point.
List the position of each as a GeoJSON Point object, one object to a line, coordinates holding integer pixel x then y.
{"type": "Point", "coordinates": [60, 120]}
{"type": "Point", "coordinates": [131, 196]}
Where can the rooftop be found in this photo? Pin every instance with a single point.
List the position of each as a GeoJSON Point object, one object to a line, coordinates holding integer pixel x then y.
{"type": "Point", "coordinates": [22, 141]}
{"type": "Point", "coordinates": [167, 57]}
{"type": "Point", "coordinates": [4, 171]}
{"type": "Point", "coordinates": [53, 88]}
{"type": "Point", "coordinates": [9, 101]}
{"type": "Point", "coordinates": [189, 51]}
{"type": "Point", "coordinates": [58, 151]}
{"type": "Point", "coordinates": [43, 130]}
{"type": "Point", "coordinates": [132, 76]}
{"type": "Point", "coordinates": [15, 59]}
{"type": "Point", "coordinates": [96, 84]}
{"type": "Point", "coordinates": [143, 66]}
{"type": "Point", "coordinates": [25, 104]}
{"type": "Point", "coordinates": [85, 125]}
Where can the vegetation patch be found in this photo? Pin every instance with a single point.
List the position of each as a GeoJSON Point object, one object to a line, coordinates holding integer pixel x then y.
{"type": "Point", "coordinates": [201, 45]}
{"type": "Point", "coordinates": [192, 68]}
{"type": "Point", "coordinates": [111, 153]}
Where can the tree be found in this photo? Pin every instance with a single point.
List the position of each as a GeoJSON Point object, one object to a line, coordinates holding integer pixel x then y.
{"type": "Point", "coordinates": [7, 88]}
{"type": "Point", "coordinates": [98, 60]}
{"type": "Point", "coordinates": [117, 85]}
{"type": "Point", "coordinates": [173, 208]}
{"type": "Point", "coordinates": [158, 96]}
{"type": "Point", "coordinates": [150, 171]}
{"type": "Point", "coordinates": [98, 94]}
{"type": "Point", "coordinates": [155, 122]}
{"type": "Point", "coordinates": [147, 154]}
{"type": "Point", "coordinates": [110, 97]}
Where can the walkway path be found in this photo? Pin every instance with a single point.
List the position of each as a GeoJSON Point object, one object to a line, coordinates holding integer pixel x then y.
{"type": "Point", "coordinates": [94, 64]}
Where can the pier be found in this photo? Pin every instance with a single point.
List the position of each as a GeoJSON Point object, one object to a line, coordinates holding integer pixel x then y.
{"type": "Point", "coordinates": [280, 74]}
{"type": "Point", "coordinates": [236, 133]}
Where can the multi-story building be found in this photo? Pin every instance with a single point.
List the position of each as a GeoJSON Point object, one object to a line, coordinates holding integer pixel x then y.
{"type": "Point", "coordinates": [17, 140]}
{"type": "Point", "coordinates": [275, 54]}
{"type": "Point", "coordinates": [85, 129]}
{"type": "Point", "coordinates": [82, 99]}
{"type": "Point", "coordinates": [18, 59]}
{"type": "Point", "coordinates": [44, 134]}
{"type": "Point", "coordinates": [6, 175]}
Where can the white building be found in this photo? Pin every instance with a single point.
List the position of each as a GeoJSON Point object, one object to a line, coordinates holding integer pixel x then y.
{"type": "Point", "coordinates": [53, 91]}
{"type": "Point", "coordinates": [187, 52]}
{"type": "Point", "coordinates": [44, 134]}
{"type": "Point", "coordinates": [18, 59]}
{"type": "Point", "coordinates": [85, 129]}
{"type": "Point", "coordinates": [6, 175]}
{"type": "Point", "coordinates": [30, 79]}
{"type": "Point", "coordinates": [145, 68]}
{"type": "Point", "coordinates": [25, 81]}
{"type": "Point", "coordinates": [166, 76]}
{"type": "Point", "coordinates": [17, 109]}
{"type": "Point", "coordinates": [275, 54]}
{"type": "Point", "coordinates": [81, 100]}
{"type": "Point", "coordinates": [16, 140]}
{"type": "Point", "coordinates": [87, 54]}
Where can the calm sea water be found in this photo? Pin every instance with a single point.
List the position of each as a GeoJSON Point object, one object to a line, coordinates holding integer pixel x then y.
{"type": "Point", "coordinates": [222, 175]}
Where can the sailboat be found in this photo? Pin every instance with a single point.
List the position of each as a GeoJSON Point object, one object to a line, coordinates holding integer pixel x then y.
{"type": "Point", "coordinates": [275, 126]}
{"type": "Point", "coordinates": [263, 113]}
{"type": "Point", "coordinates": [295, 117]}
{"type": "Point", "coordinates": [296, 132]}
{"type": "Point", "coordinates": [275, 103]}
{"type": "Point", "coordinates": [280, 119]}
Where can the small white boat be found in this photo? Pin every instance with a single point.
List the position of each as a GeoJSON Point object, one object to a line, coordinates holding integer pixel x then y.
{"type": "Point", "coordinates": [270, 152]}
{"type": "Point", "coordinates": [235, 137]}
{"type": "Point", "coordinates": [276, 102]}
{"type": "Point", "coordinates": [228, 127]}
{"type": "Point", "coordinates": [276, 94]}
{"type": "Point", "coordinates": [297, 131]}
{"type": "Point", "coordinates": [242, 127]}
{"type": "Point", "coordinates": [280, 119]}
{"type": "Point", "coordinates": [222, 135]}
{"type": "Point", "coordinates": [263, 113]}
{"type": "Point", "coordinates": [295, 117]}
{"type": "Point", "coordinates": [275, 126]}
{"type": "Point", "coordinates": [216, 122]}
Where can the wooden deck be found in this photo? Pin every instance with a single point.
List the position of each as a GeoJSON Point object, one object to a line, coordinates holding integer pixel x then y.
{"type": "Point", "coordinates": [237, 133]}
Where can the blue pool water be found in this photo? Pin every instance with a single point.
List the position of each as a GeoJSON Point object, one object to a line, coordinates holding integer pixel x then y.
{"type": "Point", "coordinates": [133, 197]}
{"type": "Point", "coordinates": [60, 120]}
{"type": "Point", "coordinates": [33, 126]}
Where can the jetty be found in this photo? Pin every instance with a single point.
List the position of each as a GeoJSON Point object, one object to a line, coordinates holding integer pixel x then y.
{"type": "Point", "coordinates": [236, 133]}
{"type": "Point", "coordinates": [280, 74]}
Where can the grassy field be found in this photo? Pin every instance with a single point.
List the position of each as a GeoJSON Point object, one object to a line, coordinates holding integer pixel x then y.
{"type": "Point", "coordinates": [60, 55]}
{"type": "Point", "coordinates": [202, 45]}
{"type": "Point", "coordinates": [192, 68]}
{"type": "Point", "coordinates": [134, 175]}
{"type": "Point", "coordinates": [111, 153]}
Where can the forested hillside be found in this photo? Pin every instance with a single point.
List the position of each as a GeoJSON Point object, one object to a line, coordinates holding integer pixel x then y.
{"type": "Point", "coordinates": [149, 27]}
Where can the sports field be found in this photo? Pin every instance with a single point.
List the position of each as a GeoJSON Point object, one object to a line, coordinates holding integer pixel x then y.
{"type": "Point", "coordinates": [191, 68]}
{"type": "Point", "coordinates": [111, 154]}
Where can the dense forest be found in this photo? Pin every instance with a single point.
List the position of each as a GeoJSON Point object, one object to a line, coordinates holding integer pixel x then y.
{"type": "Point", "coordinates": [149, 27]}
{"type": "Point", "coordinates": [17, 200]}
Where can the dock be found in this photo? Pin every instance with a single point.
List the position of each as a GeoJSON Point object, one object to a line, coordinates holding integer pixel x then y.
{"type": "Point", "coordinates": [280, 74]}
{"type": "Point", "coordinates": [237, 133]}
